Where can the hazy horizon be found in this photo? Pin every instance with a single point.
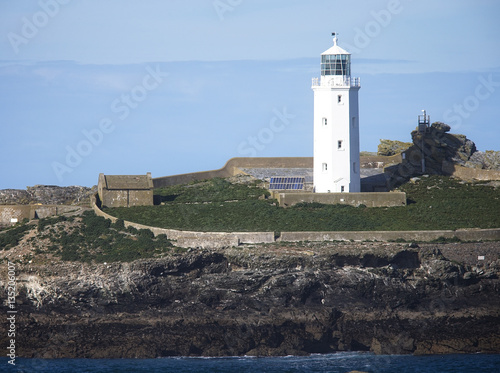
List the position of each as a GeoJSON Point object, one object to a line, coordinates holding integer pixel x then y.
{"type": "Point", "coordinates": [80, 97]}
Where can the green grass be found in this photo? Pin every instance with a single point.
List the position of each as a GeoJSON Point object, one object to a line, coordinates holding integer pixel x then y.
{"type": "Point", "coordinates": [213, 190]}
{"type": "Point", "coordinates": [11, 237]}
{"type": "Point", "coordinates": [96, 239]}
{"type": "Point", "coordinates": [434, 203]}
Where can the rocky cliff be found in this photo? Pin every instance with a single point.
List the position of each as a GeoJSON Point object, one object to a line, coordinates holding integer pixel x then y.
{"type": "Point", "coordinates": [261, 300]}
{"type": "Point", "coordinates": [47, 195]}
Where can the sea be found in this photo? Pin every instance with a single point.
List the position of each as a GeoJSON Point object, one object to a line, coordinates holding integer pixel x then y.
{"type": "Point", "coordinates": [332, 363]}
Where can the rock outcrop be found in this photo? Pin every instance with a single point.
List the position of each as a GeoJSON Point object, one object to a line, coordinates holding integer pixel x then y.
{"type": "Point", "coordinates": [437, 145]}
{"type": "Point", "coordinates": [392, 147]}
{"type": "Point", "coordinates": [436, 148]}
{"type": "Point", "coordinates": [271, 300]}
{"type": "Point", "coordinates": [488, 160]}
{"type": "Point", "coordinates": [47, 195]}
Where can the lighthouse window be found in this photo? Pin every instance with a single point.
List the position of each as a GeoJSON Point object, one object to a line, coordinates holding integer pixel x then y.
{"type": "Point", "coordinates": [336, 64]}
{"type": "Point", "coordinates": [325, 167]}
{"type": "Point", "coordinates": [342, 189]}
{"type": "Point", "coordinates": [325, 121]}
{"type": "Point", "coordinates": [339, 144]}
{"type": "Point", "coordinates": [339, 99]}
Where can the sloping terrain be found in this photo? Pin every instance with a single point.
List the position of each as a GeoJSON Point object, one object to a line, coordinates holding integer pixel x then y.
{"type": "Point", "coordinates": [275, 299]}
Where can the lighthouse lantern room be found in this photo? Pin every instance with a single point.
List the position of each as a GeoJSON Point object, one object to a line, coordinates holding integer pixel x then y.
{"type": "Point", "coordinates": [336, 124]}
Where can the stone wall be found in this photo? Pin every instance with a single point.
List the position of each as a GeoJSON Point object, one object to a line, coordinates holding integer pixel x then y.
{"type": "Point", "coordinates": [372, 199]}
{"type": "Point", "coordinates": [140, 197]}
{"type": "Point", "coordinates": [233, 166]}
{"type": "Point", "coordinates": [467, 173]}
{"type": "Point", "coordinates": [231, 239]}
{"type": "Point", "coordinates": [11, 214]}
{"type": "Point", "coordinates": [127, 198]}
{"type": "Point", "coordinates": [41, 212]}
{"type": "Point", "coordinates": [113, 198]}
{"type": "Point", "coordinates": [198, 239]}
{"type": "Point", "coordinates": [125, 190]}
{"type": "Point", "coordinates": [20, 212]}
{"type": "Point", "coordinates": [384, 236]}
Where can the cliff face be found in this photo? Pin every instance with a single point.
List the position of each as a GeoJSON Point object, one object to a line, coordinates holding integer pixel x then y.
{"type": "Point", "coordinates": [273, 300]}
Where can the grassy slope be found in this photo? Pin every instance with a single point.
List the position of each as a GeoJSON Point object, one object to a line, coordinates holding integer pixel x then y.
{"type": "Point", "coordinates": [87, 238]}
{"type": "Point", "coordinates": [217, 205]}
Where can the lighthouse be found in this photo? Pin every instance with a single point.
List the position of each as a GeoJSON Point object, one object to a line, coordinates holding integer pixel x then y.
{"type": "Point", "coordinates": [336, 124]}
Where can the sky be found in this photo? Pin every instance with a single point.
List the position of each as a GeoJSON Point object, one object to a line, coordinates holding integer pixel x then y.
{"type": "Point", "coordinates": [176, 86]}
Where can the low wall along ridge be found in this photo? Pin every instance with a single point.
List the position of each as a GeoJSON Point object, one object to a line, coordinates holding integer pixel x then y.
{"type": "Point", "coordinates": [198, 239]}
{"type": "Point", "coordinates": [369, 199]}
{"type": "Point", "coordinates": [188, 239]}
{"type": "Point", "coordinates": [233, 167]}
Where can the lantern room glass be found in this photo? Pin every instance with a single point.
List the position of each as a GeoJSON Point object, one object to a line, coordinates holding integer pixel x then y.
{"type": "Point", "coordinates": [336, 64]}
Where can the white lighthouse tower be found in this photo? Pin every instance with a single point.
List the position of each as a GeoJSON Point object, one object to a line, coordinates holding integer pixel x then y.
{"type": "Point", "coordinates": [336, 124]}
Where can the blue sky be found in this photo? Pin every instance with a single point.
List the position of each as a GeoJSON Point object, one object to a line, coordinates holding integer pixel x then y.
{"type": "Point", "coordinates": [122, 86]}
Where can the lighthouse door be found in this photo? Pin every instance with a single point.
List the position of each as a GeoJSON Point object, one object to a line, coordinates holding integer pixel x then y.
{"type": "Point", "coordinates": [341, 185]}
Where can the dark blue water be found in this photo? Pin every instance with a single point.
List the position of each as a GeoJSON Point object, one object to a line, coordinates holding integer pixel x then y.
{"type": "Point", "coordinates": [333, 363]}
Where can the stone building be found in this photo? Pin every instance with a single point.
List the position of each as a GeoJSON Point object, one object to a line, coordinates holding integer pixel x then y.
{"type": "Point", "coordinates": [125, 190]}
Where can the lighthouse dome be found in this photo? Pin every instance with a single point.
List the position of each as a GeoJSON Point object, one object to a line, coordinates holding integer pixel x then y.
{"type": "Point", "coordinates": [335, 50]}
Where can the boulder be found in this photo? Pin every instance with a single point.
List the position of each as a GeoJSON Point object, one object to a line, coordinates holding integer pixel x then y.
{"type": "Point", "coordinates": [441, 127]}
{"type": "Point", "coordinates": [392, 147]}
{"type": "Point", "coordinates": [437, 147]}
